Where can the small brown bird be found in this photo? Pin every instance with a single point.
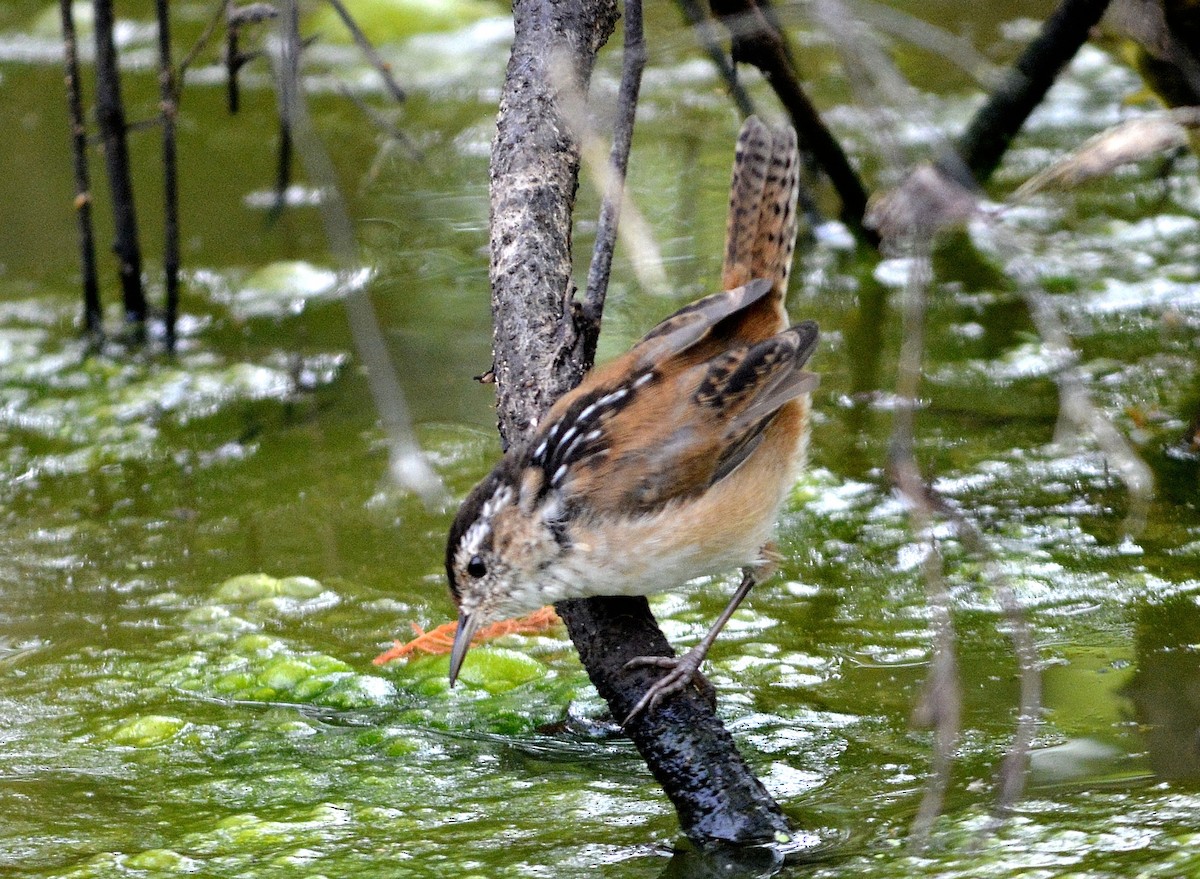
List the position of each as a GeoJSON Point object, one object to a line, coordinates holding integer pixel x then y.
{"type": "Point", "coordinates": [670, 462]}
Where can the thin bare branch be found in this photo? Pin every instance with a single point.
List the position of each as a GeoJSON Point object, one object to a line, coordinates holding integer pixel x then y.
{"type": "Point", "coordinates": [941, 706]}
{"type": "Point", "coordinates": [706, 34]}
{"type": "Point", "coordinates": [386, 127]}
{"type": "Point", "coordinates": [92, 317]}
{"type": "Point", "coordinates": [210, 29]}
{"type": "Point", "coordinates": [369, 51]}
{"type": "Point", "coordinates": [167, 92]}
{"type": "Point", "coordinates": [632, 64]}
{"type": "Point", "coordinates": [880, 86]}
{"type": "Point", "coordinates": [925, 203]}
{"type": "Point", "coordinates": [926, 35]}
{"type": "Point", "coordinates": [757, 41]}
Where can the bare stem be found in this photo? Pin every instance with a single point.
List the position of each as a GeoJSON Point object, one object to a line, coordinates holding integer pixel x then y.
{"type": "Point", "coordinates": [706, 34]}
{"type": "Point", "coordinates": [210, 28]}
{"type": "Point", "coordinates": [110, 113]}
{"type": "Point", "coordinates": [757, 41]}
{"type": "Point", "coordinates": [369, 51]}
{"type": "Point", "coordinates": [92, 318]}
{"type": "Point", "coordinates": [942, 701]}
{"type": "Point", "coordinates": [610, 210]}
{"type": "Point", "coordinates": [167, 95]}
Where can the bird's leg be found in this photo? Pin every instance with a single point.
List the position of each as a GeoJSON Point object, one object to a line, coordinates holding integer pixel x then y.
{"type": "Point", "coordinates": [683, 669]}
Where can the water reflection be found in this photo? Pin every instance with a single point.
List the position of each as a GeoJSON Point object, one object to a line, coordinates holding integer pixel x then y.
{"type": "Point", "coordinates": [1165, 688]}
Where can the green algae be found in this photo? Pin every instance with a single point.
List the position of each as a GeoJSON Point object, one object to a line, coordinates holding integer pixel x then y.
{"type": "Point", "coordinates": [144, 732]}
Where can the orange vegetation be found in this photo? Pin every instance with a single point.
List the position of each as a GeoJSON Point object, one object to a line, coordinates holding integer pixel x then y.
{"type": "Point", "coordinates": [441, 639]}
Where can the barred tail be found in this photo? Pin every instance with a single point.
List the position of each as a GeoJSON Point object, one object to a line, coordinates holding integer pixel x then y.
{"type": "Point", "coordinates": [761, 232]}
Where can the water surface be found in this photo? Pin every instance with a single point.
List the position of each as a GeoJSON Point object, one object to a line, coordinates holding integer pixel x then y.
{"type": "Point", "coordinates": [199, 557]}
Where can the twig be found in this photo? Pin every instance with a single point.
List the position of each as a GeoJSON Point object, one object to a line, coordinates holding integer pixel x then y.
{"type": "Point", "coordinates": [936, 40]}
{"type": "Point", "coordinates": [632, 64]}
{"type": "Point", "coordinates": [705, 31]}
{"type": "Point", "coordinates": [757, 42]}
{"type": "Point", "coordinates": [1078, 410]}
{"type": "Point", "coordinates": [167, 92]}
{"type": "Point", "coordinates": [941, 703]}
{"type": "Point", "coordinates": [702, 25]}
{"type": "Point", "coordinates": [371, 53]}
{"type": "Point", "coordinates": [928, 201]}
{"type": "Point", "coordinates": [92, 317]}
{"type": "Point", "coordinates": [881, 87]}
{"type": "Point", "coordinates": [214, 21]}
{"type": "Point", "coordinates": [389, 130]}
{"type": "Point", "coordinates": [110, 113]}
{"type": "Point", "coordinates": [1012, 772]}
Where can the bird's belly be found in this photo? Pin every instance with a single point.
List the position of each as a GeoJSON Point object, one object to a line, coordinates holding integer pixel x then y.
{"type": "Point", "coordinates": [661, 562]}
{"type": "Point", "coordinates": [723, 529]}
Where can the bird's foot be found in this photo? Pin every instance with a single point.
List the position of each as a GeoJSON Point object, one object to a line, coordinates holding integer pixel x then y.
{"type": "Point", "coordinates": [682, 671]}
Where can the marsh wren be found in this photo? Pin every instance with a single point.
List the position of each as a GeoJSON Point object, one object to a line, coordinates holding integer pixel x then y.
{"type": "Point", "coordinates": [670, 462]}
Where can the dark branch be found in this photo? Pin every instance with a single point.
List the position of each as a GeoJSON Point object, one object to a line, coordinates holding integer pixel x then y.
{"type": "Point", "coordinates": [757, 41]}
{"type": "Point", "coordinates": [167, 92]}
{"type": "Point", "coordinates": [110, 113]}
{"type": "Point", "coordinates": [702, 24]}
{"type": "Point", "coordinates": [92, 318]}
{"type": "Point", "coordinates": [1026, 83]}
{"type": "Point", "coordinates": [233, 60]}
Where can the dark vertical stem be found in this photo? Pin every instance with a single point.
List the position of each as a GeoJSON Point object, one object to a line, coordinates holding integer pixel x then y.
{"type": "Point", "coordinates": [233, 60]}
{"type": "Point", "coordinates": [92, 318]}
{"type": "Point", "coordinates": [166, 88]}
{"type": "Point", "coordinates": [110, 113]}
{"type": "Point", "coordinates": [618, 164]}
{"type": "Point", "coordinates": [289, 89]}
{"type": "Point", "coordinates": [1026, 83]}
{"type": "Point", "coordinates": [283, 169]}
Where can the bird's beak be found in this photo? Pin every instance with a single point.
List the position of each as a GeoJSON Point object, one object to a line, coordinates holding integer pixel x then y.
{"type": "Point", "coordinates": [462, 642]}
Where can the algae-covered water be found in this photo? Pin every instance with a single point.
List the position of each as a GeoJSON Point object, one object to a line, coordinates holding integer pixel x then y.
{"type": "Point", "coordinates": [199, 557]}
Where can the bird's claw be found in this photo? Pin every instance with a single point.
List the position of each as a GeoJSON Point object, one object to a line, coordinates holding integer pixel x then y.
{"type": "Point", "coordinates": [682, 671]}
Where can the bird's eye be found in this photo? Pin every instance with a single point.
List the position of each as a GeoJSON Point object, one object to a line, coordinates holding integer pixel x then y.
{"type": "Point", "coordinates": [476, 567]}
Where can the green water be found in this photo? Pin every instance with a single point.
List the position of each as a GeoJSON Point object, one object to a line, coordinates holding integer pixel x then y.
{"type": "Point", "coordinates": [164, 711]}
